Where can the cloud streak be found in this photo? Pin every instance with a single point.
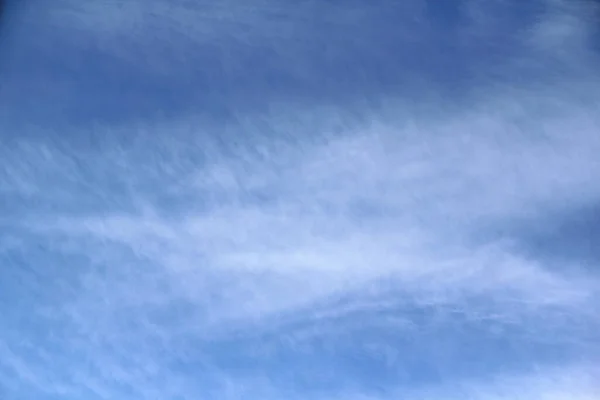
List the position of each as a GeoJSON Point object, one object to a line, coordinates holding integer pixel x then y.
{"type": "Point", "coordinates": [308, 250]}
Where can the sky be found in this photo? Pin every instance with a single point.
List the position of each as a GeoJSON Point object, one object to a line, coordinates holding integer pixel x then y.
{"type": "Point", "coordinates": [316, 200]}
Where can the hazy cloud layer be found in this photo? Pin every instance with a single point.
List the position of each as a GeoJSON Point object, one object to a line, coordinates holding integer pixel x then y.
{"type": "Point", "coordinates": [341, 225]}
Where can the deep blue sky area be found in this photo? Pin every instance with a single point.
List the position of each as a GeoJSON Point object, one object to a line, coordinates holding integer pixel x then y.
{"type": "Point", "coordinates": [308, 200]}
{"type": "Point", "coordinates": [314, 52]}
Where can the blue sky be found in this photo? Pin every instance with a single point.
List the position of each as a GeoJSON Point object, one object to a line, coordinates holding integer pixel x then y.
{"type": "Point", "coordinates": [358, 200]}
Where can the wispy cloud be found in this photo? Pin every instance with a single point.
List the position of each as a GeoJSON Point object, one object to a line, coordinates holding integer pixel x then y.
{"type": "Point", "coordinates": [381, 218]}
{"type": "Point", "coordinates": [309, 250]}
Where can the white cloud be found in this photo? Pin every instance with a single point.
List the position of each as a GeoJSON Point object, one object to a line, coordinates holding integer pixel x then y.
{"type": "Point", "coordinates": [336, 215]}
{"type": "Point", "coordinates": [569, 382]}
{"type": "Point", "coordinates": [383, 201]}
